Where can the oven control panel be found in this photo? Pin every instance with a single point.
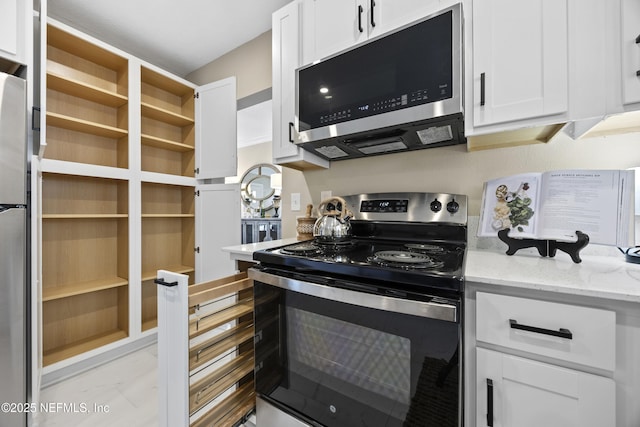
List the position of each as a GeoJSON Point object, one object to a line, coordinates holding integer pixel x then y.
{"type": "Point", "coordinates": [409, 207]}
{"type": "Point", "coordinates": [384, 205]}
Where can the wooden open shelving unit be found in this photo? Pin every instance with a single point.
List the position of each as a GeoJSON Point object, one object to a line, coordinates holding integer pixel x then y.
{"type": "Point", "coordinates": [87, 102]}
{"type": "Point", "coordinates": [85, 267]}
{"type": "Point", "coordinates": [168, 239]}
{"type": "Point", "coordinates": [103, 162]}
{"type": "Point", "coordinates": [168, 125]}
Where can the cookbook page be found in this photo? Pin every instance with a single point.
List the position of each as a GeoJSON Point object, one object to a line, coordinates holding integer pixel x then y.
{"type": "Point", "coordinates": [581, 200]}
{"type": "Point", "coordinates": [510, 202]}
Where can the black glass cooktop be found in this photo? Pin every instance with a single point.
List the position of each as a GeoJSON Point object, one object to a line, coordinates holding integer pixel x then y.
{"type": "Point", "coordinates": [428, 264]}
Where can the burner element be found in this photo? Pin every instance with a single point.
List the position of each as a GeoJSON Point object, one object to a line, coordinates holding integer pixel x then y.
{"type": "Point", "coordinates": [404, 260]}
{"type": "Point", "coordinates": [402, 256]}
{"type": "Point", "coordinates": [304, 248]}
{"type": "Point", "coordinates": [335, 247]}
{"type": "Point", "coordinates": [422, 247]}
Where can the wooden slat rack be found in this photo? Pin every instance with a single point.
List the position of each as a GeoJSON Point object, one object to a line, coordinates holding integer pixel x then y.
{"type": "Point", "coordinates": [205, 351]}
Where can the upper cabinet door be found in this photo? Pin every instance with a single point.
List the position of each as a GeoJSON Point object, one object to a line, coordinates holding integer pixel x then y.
{"type": "Point", "coordinates": [216, 139]}
{"type": "Point", "coordinates": [387, 15]}
{"type": "Point", "coordinates": [330, 26]}
{"type": "Point", "coordinates": [630, 51]}
{"type": "Point", "coordinates": [520, 59]}
{"type": "Point", "coordinates": [286, 58]}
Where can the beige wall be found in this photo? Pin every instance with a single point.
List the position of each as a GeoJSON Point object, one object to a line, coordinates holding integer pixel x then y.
{"type": "Point", "coordinates": [446, 169]}
{"type": "Point", "coordinates": [250, 63]}
{"type": "Point", "coordinates": [454, 170]}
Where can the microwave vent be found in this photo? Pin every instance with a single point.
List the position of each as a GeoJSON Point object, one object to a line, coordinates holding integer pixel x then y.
{"type": "Point", "coordinates": [435, 134]}
{"type": "Point", "coordinates": [380, 145]}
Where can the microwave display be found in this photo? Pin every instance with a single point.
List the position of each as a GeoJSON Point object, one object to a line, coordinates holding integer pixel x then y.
{"type": "Point", "coordinates": [408, 68]}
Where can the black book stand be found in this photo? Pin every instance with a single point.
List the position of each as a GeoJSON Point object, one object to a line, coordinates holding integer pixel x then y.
{"type": "Point", "coordinates": [546, 247]}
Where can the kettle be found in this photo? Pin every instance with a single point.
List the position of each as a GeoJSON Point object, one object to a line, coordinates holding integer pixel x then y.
{"type": "Point", "coordinates": [332, 225]}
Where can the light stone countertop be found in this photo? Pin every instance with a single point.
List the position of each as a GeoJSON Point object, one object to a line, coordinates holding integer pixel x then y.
{"type": "Point", "coordinates": [601, 276]}
{"type": "Point", "coordinates": [245, 252]}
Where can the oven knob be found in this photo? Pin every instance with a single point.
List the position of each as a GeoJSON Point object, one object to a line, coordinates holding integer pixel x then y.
{"type": "Point", "coordinates": [453, 206]}
{"type": "Point", "coordinates": [436, 205]}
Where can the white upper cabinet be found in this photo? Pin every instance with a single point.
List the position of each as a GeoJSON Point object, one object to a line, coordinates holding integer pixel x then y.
{"type": "Point", "coordinates": [13, 30]}
{"type": "Point", "coordinates": [630, 33]}
{"type": "Point", "coordinates": [391, 14]}
{"type": "Point", "coordinates": [520, 65]}
{"type": "Point", "coordinates": [216, 141]}
{"type": "Point", "coordinates": [286, 58]}
{"type": "Point", "coordinates": [330, 26]}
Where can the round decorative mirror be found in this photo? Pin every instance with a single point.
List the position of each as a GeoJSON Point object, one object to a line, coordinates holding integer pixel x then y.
{"type": "Point", "coordinates": [255, 187]}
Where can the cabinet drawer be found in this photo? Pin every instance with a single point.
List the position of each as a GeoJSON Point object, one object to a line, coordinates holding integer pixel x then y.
{"type": "Point", "coordinates": [576, 334]}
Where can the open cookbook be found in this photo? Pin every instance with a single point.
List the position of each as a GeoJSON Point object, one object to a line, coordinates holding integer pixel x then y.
{"type": "Point", "coordinates": [554, 205]}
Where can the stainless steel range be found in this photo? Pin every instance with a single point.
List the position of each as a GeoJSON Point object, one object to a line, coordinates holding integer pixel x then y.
{"type": "Point", "coordinates": [365, 331]}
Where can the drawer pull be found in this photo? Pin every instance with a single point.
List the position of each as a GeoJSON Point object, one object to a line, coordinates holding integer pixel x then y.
{"type": "Point", "coordinates": [562, 333]}
{"type": "Point", "coordinates": [160, 281]}
{"type": "Point", "coordinates": [489, 402]}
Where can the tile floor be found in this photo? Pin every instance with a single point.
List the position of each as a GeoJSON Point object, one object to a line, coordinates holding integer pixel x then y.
{"type": "Point", "coordinates": [127, 387]}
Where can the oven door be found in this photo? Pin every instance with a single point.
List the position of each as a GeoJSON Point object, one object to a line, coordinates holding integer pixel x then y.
{"type": "Point", "coordinates": [338, 357]}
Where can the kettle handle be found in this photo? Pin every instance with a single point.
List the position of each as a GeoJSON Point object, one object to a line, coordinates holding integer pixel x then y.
{"type": "Point", "coordinates": [325, 202]}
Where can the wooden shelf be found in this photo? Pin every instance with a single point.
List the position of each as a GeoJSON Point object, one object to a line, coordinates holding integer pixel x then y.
{"type": "Point", "coordinates": [83, 49]}
{"type": "Point", "coordinates": [211, 386]}
{"type": "Point", "coordinates": [84, 90]}
{"type": "Point", "coordinates": [84, 126]}
{"type": "Point", "coordinates": [205, 324]}
{"type": "Point", "coordinates": [168, 216]}
{"type": "Point", "coordinates": [165, 116]}
{"type": "Point", "coordinates": [149, 324]}
{"type": "Point", "coordinates": [82, 288]}
{"type": "Point", "coordinates": [64, 352]}
{"type": "Point", "coordinates": [230, 409]}
{"type": "Point", "coordinates": [84, 216]}
{"type": "Point", "coordinates": [153, 141]}
{"type": "Point", "coordinates": [182, 269]}
{"type": "Point", "coordinates": [210, 350]}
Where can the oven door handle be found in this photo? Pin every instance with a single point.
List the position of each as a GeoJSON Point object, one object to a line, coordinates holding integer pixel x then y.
{"type": "Point", "coordinates": [439, 308]}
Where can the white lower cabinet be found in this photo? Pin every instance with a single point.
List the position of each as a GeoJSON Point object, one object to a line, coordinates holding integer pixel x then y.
{"type": "Point", "coordinates": [518, 392]}
{"type": "Point", "coordinates": [542, 363]}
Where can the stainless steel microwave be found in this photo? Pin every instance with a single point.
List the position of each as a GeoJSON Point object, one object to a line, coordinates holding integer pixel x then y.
{"type": "Point", "coordinates": [397, 92]}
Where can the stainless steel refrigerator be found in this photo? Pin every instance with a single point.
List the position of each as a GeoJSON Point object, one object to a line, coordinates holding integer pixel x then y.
{"type": "Point", "coordinates": [13, 249]}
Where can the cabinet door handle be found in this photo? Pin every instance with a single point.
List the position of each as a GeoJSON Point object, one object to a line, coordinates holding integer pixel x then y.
{"type": "Point", "coordinates": [290, 131]}
{"type": "Point", "coordinates": [163, 283]}
{"type": "Point", "coordinates": [373, 21]}
{"type": "Point", "coordinates": [360, 10]}
{"type": "Point", "coordinates": [562, 333]}
{"type": "Point", "coordinates": [489, 402]}
{"type": "Point", "coordinates": [482, 89]}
